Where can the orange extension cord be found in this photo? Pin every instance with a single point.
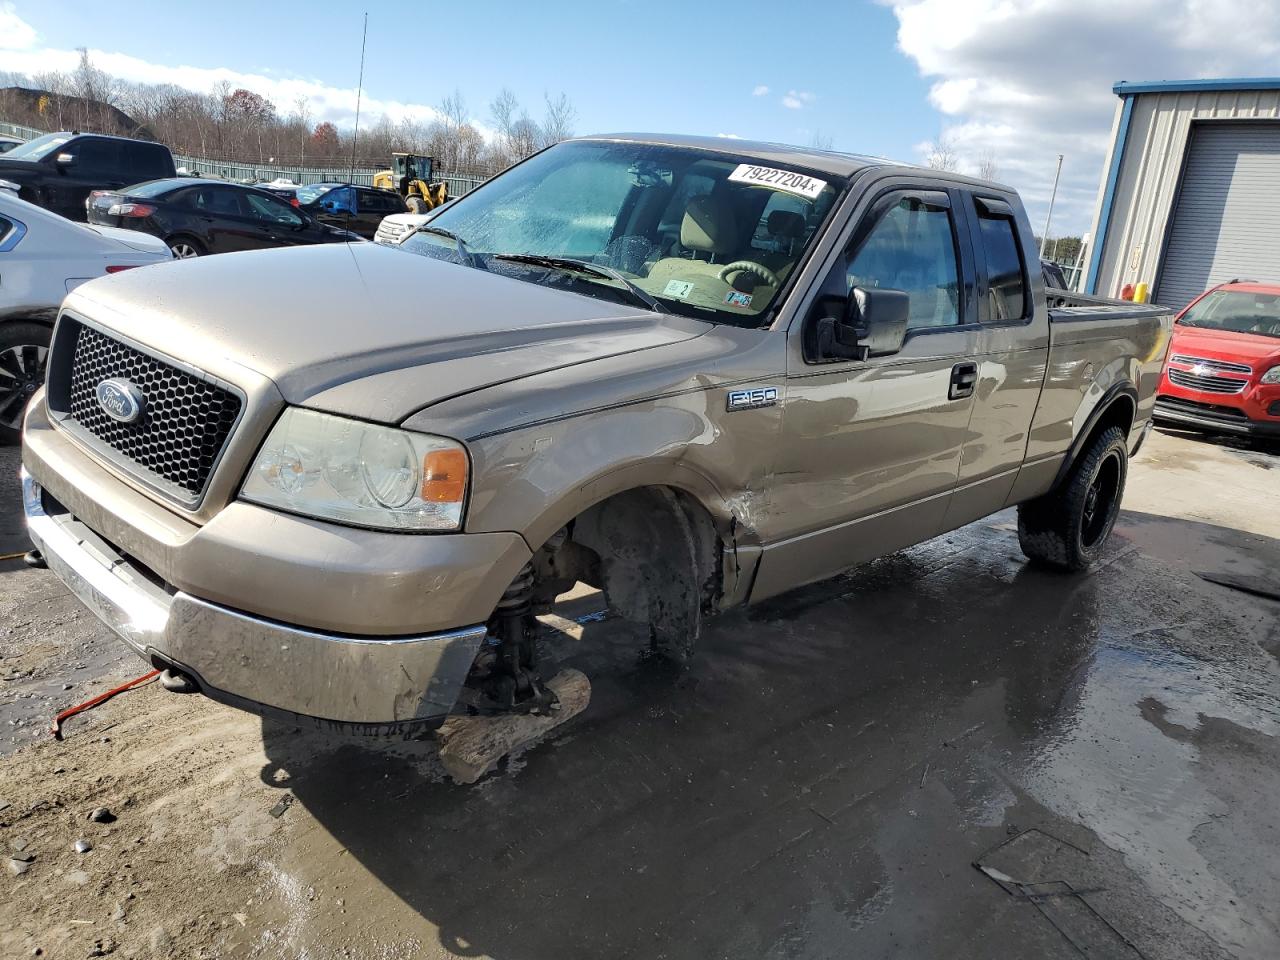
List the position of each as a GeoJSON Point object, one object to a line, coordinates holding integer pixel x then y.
{"type": "Point", "coordinates": [92, 702]}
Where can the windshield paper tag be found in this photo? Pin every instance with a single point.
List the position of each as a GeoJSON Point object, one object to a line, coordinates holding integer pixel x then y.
{"type": "Point", "coordinates": [797, 183]}
{"type": "Point", "coordinates": [677, 288]}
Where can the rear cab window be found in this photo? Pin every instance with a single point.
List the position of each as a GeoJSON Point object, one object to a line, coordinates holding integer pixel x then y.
{"type": "Point", "coordinates": [1008, 293]}
{"type": "Point", "coordinates": [145, 161]}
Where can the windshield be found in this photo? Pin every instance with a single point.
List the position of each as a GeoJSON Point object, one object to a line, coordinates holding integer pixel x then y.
{"type": "Point", "coordinates": [38, 148]}
{"type": "Point", "coordinates": [313, 191]}
{"type": "Point", "coordinates": [1237, 311]}
{"type": "Point", "coordinates": [709, 235]}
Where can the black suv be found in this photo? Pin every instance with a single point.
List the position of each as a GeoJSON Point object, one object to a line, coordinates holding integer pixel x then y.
{"type": "Point", "coordinates": [59, 170]}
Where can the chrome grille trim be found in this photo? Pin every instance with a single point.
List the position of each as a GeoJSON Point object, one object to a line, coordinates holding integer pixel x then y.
{"type": "Point", "coordinates": [1206, 383]}
{"type": "Point", "coordinates": [391, 234]}
{"type": "Point", "coordinates": [1219, 366]}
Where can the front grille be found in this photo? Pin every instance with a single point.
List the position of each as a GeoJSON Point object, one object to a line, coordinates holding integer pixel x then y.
{"type": "Point", "coordinates": [186, 419]}
{"type": "Point", "coordinates": [1214, 366]}
{"type": "Point", "coordinates": [391, 233]}
{"type": "Point", "coordinates": [1206, 383]}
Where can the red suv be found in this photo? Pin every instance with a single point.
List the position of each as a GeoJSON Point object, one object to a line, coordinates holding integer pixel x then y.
{"type": "Point", "coordinates": [1223, 370]}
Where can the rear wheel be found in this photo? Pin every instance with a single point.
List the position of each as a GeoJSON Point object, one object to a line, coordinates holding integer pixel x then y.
{"type": "Point", "coordinates": [1068, 527]}
{"type": "Point", "coordinates": [184, 248]}
{"type": "Point", "coordinates": [416, 204]}
{"type": "Point", "coordinates": [24, 350]}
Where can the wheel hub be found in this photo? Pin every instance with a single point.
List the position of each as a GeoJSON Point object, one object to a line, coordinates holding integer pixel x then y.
{"type": "Point", "coordinates": [21, 375]}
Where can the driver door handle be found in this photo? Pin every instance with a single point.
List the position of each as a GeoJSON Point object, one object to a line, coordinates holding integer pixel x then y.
{"type": "Point", "coordinates": [964, 376]}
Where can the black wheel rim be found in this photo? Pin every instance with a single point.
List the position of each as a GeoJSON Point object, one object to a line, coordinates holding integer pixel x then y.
{"type": "Point", "coordinates": [21, 375]}
{"type": "Point", "coordinates": [1100, 501]}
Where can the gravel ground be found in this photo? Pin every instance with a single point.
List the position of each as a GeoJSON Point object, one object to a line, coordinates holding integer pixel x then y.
{"type": "Point", "coordinates": [819, 783]}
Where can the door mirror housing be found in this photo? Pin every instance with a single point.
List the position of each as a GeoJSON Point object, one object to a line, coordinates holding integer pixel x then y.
{"type": "Point", "coordinates": [874, 324]}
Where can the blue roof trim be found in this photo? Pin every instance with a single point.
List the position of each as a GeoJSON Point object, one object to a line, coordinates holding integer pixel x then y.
{"type": "Point", "coordinates": [1128, 87]}
{"type": "Point", "coordinates": [1109, 195]}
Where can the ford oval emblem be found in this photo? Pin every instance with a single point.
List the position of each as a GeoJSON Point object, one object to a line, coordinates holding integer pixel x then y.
{"type": "Point", "coordinates": [120, 400]}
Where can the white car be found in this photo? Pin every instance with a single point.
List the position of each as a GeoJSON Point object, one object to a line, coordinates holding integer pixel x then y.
{"type": "Point", "coordinates": [43, 256]}
{"type": "Point", "coordinates": [397, 226]}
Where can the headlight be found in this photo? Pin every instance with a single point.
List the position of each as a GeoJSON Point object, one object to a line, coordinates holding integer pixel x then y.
{"type": "Point", "coordinates": [330, 467]}
{"type": "Point", "coordinates": [1272, 375]}
{"type": "Point", "coordinates": [10, 185]}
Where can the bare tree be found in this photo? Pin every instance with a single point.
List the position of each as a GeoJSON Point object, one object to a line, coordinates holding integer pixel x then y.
{"type": "Point", "coordinates": [453, 110]}
{"type": "Point", "coordinates": [559, 120]}
{"type": "Point", "coordinates": [505, 110]}
{"type": "Point", "coordinates": [227, 123]}
{"type": "Point", "coordinates": [987, 167]}
{"type": "Point", "coordinates": [821, 141]}
{"type": "Point", "coordinates": [942, 155]}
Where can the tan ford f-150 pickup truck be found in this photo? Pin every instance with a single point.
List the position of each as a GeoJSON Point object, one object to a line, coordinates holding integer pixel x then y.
{"type": "Point", "coordinates": [339, 481]}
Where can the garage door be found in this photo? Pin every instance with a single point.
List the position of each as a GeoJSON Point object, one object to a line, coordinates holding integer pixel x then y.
{"type": "Point", "coordinates": [1227, 222]}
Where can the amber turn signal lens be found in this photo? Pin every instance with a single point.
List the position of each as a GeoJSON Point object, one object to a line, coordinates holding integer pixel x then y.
{"type": "Point", "coordinates": [444, 476]}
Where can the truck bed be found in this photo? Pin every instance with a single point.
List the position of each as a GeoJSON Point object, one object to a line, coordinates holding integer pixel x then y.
{"type": "Point", "coordinates": [1095, 342]}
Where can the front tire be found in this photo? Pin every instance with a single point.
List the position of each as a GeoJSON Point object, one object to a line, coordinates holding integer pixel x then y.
{"type": "Point", "coordinates": [416, 204]}
{"type": "Point", "coordinates": [24, 351]}
{"type": "Point", "coordinates": [1068, 527]}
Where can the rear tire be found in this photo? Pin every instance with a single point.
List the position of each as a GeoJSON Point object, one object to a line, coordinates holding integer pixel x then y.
{"type": "Point", "coordinates": [416, 204]}
{"type": "Point", "coordinates": [24, 350]}
{"type": "Point", "coordinates": [186, 248]}
{"type": "Point", "coordinates": [1068, 527]}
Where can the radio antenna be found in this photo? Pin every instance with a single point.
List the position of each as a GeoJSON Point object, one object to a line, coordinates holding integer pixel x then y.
{"type": "Point", "coordinates": [355, 131]}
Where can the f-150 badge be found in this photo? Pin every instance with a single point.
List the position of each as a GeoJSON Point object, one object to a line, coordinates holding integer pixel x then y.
{"type": "Point", "coordinates": [751, 398]}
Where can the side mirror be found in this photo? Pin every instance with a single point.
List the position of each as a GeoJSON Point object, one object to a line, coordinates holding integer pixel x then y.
{"type": "Point", "coordinates": [65, 159]}
{"type": "Point", "coordinates": [874, 324]}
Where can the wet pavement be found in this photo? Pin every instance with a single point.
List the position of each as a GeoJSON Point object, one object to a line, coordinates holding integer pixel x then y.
{"type": "Point", "coordinates": [823, 779]}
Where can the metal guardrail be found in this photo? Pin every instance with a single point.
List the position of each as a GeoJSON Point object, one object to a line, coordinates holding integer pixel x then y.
{"type": "Point", "coordinates": [18, 130]}
{"type": "Point", "coordinates": [256, 172]}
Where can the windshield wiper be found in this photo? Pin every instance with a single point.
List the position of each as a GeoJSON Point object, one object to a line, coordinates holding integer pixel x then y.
{"type": "Point", "coordinates": [469, 258]}
{"type": "Point", "coordinates": [582, 266]}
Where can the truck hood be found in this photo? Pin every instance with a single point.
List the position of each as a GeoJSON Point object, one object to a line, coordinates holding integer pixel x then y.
{"type": "Point", "coordinates": [1224, 345]}
{"type": "Point", "coordinates": [364, 330]}
{"type": "Point", "coordinates": [17, 170]}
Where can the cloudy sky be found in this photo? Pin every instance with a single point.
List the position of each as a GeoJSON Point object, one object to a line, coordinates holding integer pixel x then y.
{"type": "Point", "coordinates": [1019, 80]}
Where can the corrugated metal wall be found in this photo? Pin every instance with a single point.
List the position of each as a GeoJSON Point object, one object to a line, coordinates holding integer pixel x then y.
{"type": "Point", "coordinates": [1147, 185]}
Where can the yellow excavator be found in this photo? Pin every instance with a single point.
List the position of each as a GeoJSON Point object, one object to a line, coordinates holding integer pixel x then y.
{"type": "Point", "coordinates": [410, 176]}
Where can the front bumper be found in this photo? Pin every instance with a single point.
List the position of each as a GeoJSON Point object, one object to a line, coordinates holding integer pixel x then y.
{"type": "Point", "coordinates": [1218, 417]}
{"type": "Point", "coordinates": [246, 660]}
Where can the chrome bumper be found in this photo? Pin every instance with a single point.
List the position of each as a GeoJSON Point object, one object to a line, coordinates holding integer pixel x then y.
{"type": "Point", "coordinates": [246, 660]}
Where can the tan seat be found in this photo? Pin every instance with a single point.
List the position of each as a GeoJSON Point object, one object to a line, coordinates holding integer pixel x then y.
{"type": "Point", "coordinates": [785, 226]}
{"type": "Point", "coordinates": [709, 231]}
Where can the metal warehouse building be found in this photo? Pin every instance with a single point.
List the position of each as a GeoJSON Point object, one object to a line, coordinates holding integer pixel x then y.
{"type": "Point", "coordinates": [1191, 188]}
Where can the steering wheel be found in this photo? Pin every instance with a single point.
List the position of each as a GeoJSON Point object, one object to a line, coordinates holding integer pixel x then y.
{"type": "Point", "coordinates": [750, 266]}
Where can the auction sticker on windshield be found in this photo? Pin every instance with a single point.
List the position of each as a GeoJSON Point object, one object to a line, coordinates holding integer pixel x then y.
{"type": "Point", "coordinates": [797, 183]}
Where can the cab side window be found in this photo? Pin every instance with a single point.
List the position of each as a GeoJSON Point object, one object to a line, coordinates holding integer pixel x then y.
{"type": "Point", "coordinates": [263, 207]}
{"type": "Point", "coordinates": [218, 201]}
{"type": "Point", "coordinates": [912, 248]}
{"type": "Point", "coordinates": [1007, 298]}
{"type": "Point", "coordinates": [97, 158]}
{"type": "Point", "coordinates": [339, 200]}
